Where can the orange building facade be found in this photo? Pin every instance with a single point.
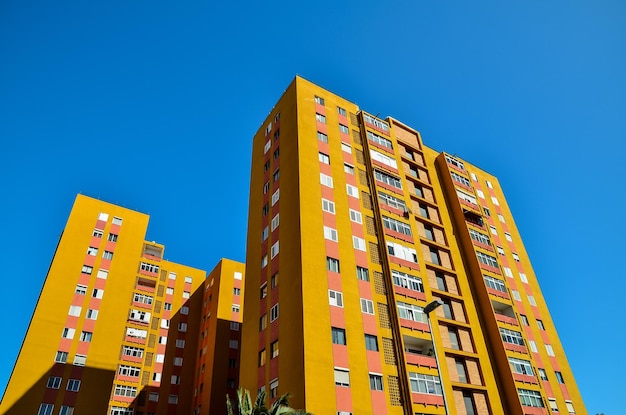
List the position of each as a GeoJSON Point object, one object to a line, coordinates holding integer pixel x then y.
{"type": "Point", "coordinates": [354, 228]}
{"type": "Point", "coordinates": [116, 329]}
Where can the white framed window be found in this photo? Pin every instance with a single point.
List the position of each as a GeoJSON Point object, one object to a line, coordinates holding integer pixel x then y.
{"type": "Point", "coordinates": [116, 220]}
{"type": "Point", "coordinates": [169, 291]}
{"type": "Point", "coordinates": [87, 269]}
{"type": "Point", "coordinates": [66, 410]}
{"type": "Point", "coordinates": [75, 310]}
{"type": "Point", "coordinates": [264, 261]}
{"type": "Point", "coordinates": [267, 146]}
{"type": "Point", "coordinates": [387, 179]}
{"type": "Point", "coordinates": [330, 234]}
{"type": "Point", "coordinates": [501, 218]}
{"type": "Point", "coordinates": [495, 200]}
{"type": "Point", "coordinates": [467, 197]}
{"type": "Point", "coordinates": [342, 377]}
{"type": "Point", "coordinates": [379, 140]}
{"type": "Point", "coordinates": [342, 111]}
{"type": "Point", "coordinates": [139, 315]}
{"type": "Point", "coordinates": [234, 326]}
{"type": "Point", "coordinates": [85, 336]}
{"type": "Point", "coordinates": [553, 405]}
{"type": "Point", "coordinates": [274, 311]}
{"type": "Point", "coordinates": [332, 264]}
{"type": "Point", "coordinates": [103, 274]}
{"type": "Point", "coordinates": [172, 276]}
{"type": "Point", "coordinates": [392, 201]}
{"type": "Point", "coordinates": [182, 327]}
{"type": "Point", "coordinates": [515, 257]}
{"type": "Point", "coordinates": [352, 191]}
{"type": "Point", "coordinates": [358, 243]}
{"type": "Point", "coordinates": [489, 185]}
{"type": "Point", "coordinates": [356, 216]}
{"type": "Point", "coordinates": [236, 275]}
{"type": "Point", "coordinates": [474, 177]}
{"type": "Point", "coordinates": [92, 251]}
{"type": "Point", "coordinates": [97, 293]}
{"type": "Point", "coordinates": [275, 196]}
{"type": "Point", "coordinates": [508, 272]}
{"type": "Point", "coordinates": [275, 222]}
{"type": "Point", "coordinates": [531, 300]}
{"type": "Point", "coordinates": [326, 180]}
{"type": "Point", "coordinates": [346, 148]}
{"type": "Point", "coordinates": [142, 298]}
{"type": "Point", "coordinates": [68, 333]}
{"type": "Point", "coordinates": [174, 380]}
{"type": "Point", "coordinates": [328, 206]}
{"type": "Point", "coordinates": [493, 230]}
{"type": "Point", "coordinates": [367, 306]}
{"type": "Point", "coordinates": [487, 259]}
{"type": "Point", "coordinates": [348, 168]}
{"type": "Point", "coordinates": [107, 255]}
{"type": "Point", "coordinates": [265, 234]}
{"type": "Point", "coordinates": [274, 388]}
{"type": "Point", "coordinates": [570, 407]}
{"type": "Point", "coordinates": [516, 295]}
{"type": "Point", "coordinates": [103, 216]}
{"type": "Point", "coordinates": [46, 408]}
{"type": "Point", "coordinates": [408, 281]}
{"type": "Point", "coordinates": [324, 158]}
{"type": "Point", "coordinates": [480, 194]}
{"type": "Point", "coordinates": [523, 277]}
{"type": "Point", "coordinates": [427, 384]}
{"type": "Point", "coordinates": [266, 187]}
{"type": "Point", "coordinates": [160, 358]}
{"type": "Point", "coordinates": [322, 137]}
{"type": "Point", "coordinates": [411, 312]}
{"type": "Point", "coordinates": [60, 357]}
{"type": "Point", "coordinates": [274, 249]}
{"type": "Point", "coordinates": [396, 225]}
{"type": "Point", "coordinates": [402, 252]}
{"type": "Point", "coordinates": [521, 366]}
{"type": "Point", "coordinates": [376, 382]}
{"type": "Point", "coordinates": [54, 382]}
{"type": "Point", "coordinates": [188, 280]}
{"type": "Point", "coordinates": [386, 160]}
{"type": "Point", "coordinates": [507, 236]}
{"type": "Point", "coordinates": [130, 371]}
{"type": "Point", "coordinates": [236, 308]}
{"type": "Point", "coordinates": [178, 361]}
{"type": "Point", "coordinates": [500, 250]}
{"type": "Point", "coordinates": [533, 346]}
{"type": "Point", "coordinates": [319, 100]}
{"type": "Point", "coordinates": [163, 339]}
{"type": "Point", "coordinates": [335, 298]}
{"type": "Point", "coordinates": [80, 360]}
{"type": "Point", "coordinates": [511, 336]}
{"type": "Point", "coordinates": [549, 350]}
{"type": "Point", "coordinates": [156, 377]}
{"type": "Point", "coordinates": [495, 283]}
{"type": "Point", "coordinates": [320, 118]}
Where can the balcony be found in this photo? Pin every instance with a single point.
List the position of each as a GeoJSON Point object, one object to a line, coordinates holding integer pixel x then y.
{"type": "Point", "coordinates": [504, 313]}
{"type": "Point", "coordinates": [152, 252]}
{"type": "Point", "coordinates": [419, 352]}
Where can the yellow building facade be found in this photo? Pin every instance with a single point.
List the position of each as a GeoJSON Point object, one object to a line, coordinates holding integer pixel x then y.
{"type": "Point", "coordinates": [113, 318]}
{"type": "Point", "coordinates": [384, 277]}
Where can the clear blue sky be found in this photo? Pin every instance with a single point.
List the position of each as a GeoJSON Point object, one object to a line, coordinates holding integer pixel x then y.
{"type": "Point", "coordinates": [152, 105]}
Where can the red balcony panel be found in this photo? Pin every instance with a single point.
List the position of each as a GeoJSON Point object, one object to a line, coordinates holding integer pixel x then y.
{"type": "Point", "coordinates": [464, 186]}
{"type": "Point", "coordinates": [498, 293]}
{"type": "Point", "coordinates": [151, 274]}
{"type": "Point", "coordinates": [375, 127]}
{"type": "Point", "coordinates": [515, 348]}
{"type": "Point", "coordinates": [531, 410]}
{"type": "Point", "coordinates": [399, 235]}
{"type": "Point", "coordinates": [404, 262]}
{"type": "Point", "coordinates": [564, 391]}
{"type": "Point", "coordinates": [122, 398]}
{"type": "Point", "coordinates": [421, 360]}
{"type": "Point", "coordinates": [89, 260]}
{"type": "Point", "coordinates": [100, 224]}
{"type": "Point", "coordinates": [382, 147]}
{"type": "Point", "coordinates": [410, 293]}
{"type": "Point", "coordinates": [506, 319]}
{"type": "Point", "coordinates": [115, 229]}
{"type": "Point", "coordinates": [132, 359]}
{"type": "Point", "coordinates": [385, 166]}
{"type": "Point", "coordinates": [369, 323]}
{"type": "Point", "coordinates": [137, 340]}
{"type": "Point", "coordinates": [273, 365]}
{"type": "Point", "coordinates": [389, 187]}
{"type": "Point", "coordinates": [145, 288]}
{"type": "Point", "coordinates": [482, 245]}
{"type": "Point", "coordinates": [525, 378]}
{"type": "Point", "coordinates": [427, 399]}
{"type": "Point", "coordinates": [414, 325]}
{"type": "Point", "coordinates": [127, 378]}
{"type": "Point", "coordinates": [453, 167]}
{"type": "Point", "coordinates": [323, 147]}
{"type": "Point", "coordinates": [489, 268]}
{"type": "Point", "coordinates": [337, 317]}
{"type": "Point", "coordinates": [109, 246]}
{"type": "Point", "coordinates": [332, 248]}
{"type": "Point", "coordinates": [471, 205]}
{"type": "Point", "coordinates": [152, 257]}
{"type": "Point", "coordinates": [392, 209]}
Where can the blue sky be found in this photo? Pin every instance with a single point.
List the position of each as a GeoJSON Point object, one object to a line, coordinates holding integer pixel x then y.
{"type": "Point", "coordinates": [152, 105]}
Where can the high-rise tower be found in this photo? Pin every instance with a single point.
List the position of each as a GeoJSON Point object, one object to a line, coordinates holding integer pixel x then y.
{"type": "Point", "coordinates": [354, 227]}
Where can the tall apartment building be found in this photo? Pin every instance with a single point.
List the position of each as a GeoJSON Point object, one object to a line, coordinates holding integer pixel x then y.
{"type": "Point", "coordinates": [354, 228]}
{"type": "Point", "coordinates": [116, 325]}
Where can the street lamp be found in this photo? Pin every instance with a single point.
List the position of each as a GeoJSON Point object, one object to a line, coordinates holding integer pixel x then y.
{"type": "Point", "coordinates": [427, 310]}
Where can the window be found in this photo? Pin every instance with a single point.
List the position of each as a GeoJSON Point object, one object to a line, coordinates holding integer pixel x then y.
{"type": "Point", "coordinates": [128, 371]}
{"type": "Point", "coordinates": [275, 196]}
{"type": "Point", "coordinates": [132, 351]}
{"type": "Point", "coordinates": [139, 315]}
{"type": "Point", "coordinates": [142, 298]}
{"type": "Point", "coordinates": [274, 280]}
{"type": "Point", "coordinates": [175, 380]}
{"type": "Point", "coordinates": [549, 350]}
{"type": "Point", "coordinates": [320, 118]}
{"type": "Point", "coordinates": [274, 250]}
{"type": "Point", "coordinates": [343, 129]}
{"type": "Point", "coordinates": [169, 291]}
{"type": "Point", "coordinates": [487, 212]}
{"type": "Point", "coordinates": [73, 385]}
{"type": "Point", "coordinates": [234, 326]}
{"type": "Point", "coordinates": [411, 312]}
{"type": "Point", "coordinates": [266, 188]}
{"type": "Point", "coordinates": [338, 335]}
{"type": "Point", "coordinates": [559, 377]}
{"type": "Point", "coordinates": [112, 237]}
{"type": "Point", "coordinates": [402, 252]}
{"type": "Point", "coordinates": [319, 100]}
{"type": "Point", "coordinates": [434, 256]}
{"type": "Point", "coordinates": [107, 255]}
{"type": "Point", "coordinates": [523, 277]}
{"type": "Point", "coordinates": [352, 191]}
{"type": "Point", "coordinates": [540, 325]}
{"type": "Point", "coordinates": [408, 281]}
{"type": "Point", "coordinates": [87, 269]}
{"type": "Point", "coordinates": [263, 290]}
{"type": "Point", "coordinates": [348, 168]}
{"type": "Point", "coordinates": [500, 250]}
{"type": "Point", "coordinates": [341, 112]}
{"type": "Point", "coordinates": [66, 410]}
{"type": "Point", "coordinates": [454, 162]}
{"type": "Point", "coordinates": [375, 138]}
{"type": "Point", "coordinates": [273, 313]}
{"type": "Point", "coordinates": [516, 295]}
{"type": "Point", "coordinates": [68, 333]}
{"type": "Point", "coordinates": [153, 397]}
{"type": "Point", "coordinates": [322, 137]}
{"type": "Point", "coordinates": [276, 175]}
{"type": "Point", "coordinates": [376, 382]}
{"type": "Point", "coordinates": [267, 145]}
{"type": "Point", "coordinates": [233, 344]}
{"type": "Point", "coordinates": [515, 257]}
{"type": "Point", "coordinates": [346, 148]}
{"type": "Point", "coordinates": [264, 261]}
{"type": "Point", "coordinates": [461, 370]}
{"type": "Point", "coordinates": [275, 222]}
{"type": "Point", "coordinates": [79, 360]}
{"type": "Point", "coordinates": [326, 180]}
{"type": "Point", "coordinates": [182, 327]}
{"type": "Point", "coordinates": [397, 226]}
{"type": "Point", "coordinates": [342, 377]}
{"type": "Point", "coordinates": [261, 358]}
{"type": "Point", "coordinates": [118, 410]}
{"type": "Point", "coordinates": [273, 388]}
{"type": "Point", "coordinates": [508, 272]}
{"type": "Point", "coordinates": [530, 398]}
{"type": "Point", "coordinates": [388, 179]}
{"type": "Point", "coordinates": [102, 273]}
{"type": "Point", "coordinates": [371, 342]}
{"type": "Point", "coordinates": [429, 233]}
{"type": "Point", "coordinates": [531, 300]}
{"type": "Point", "coordinates": [367, 306]}
{"type": "Point", "coordinates": [97, 233]}
{"type": "Point", "coordinates": [570, 407]}
{"type": "Point", "coordinates": [495, 284]}
{"type": "Point", "coordinates": [487, 259]}
{"type": "Point", "coordinates": [501, 218]}
{"type": "Point", "coordinates": [335, 298]}
{"type": "Point", "coordinates": [116, 220]}
{"type": "Point", "coordinates": [235, 308]}
{"type": "Point", "coordinates": [480, 194]}
{"type": "Point", "coordinates": [86, 336]}
{"type": "Point", "coordinates": [92, 251]}
{"type": "Point", "coordinates": [74, 310]}
{"type": "Point", "coordinates": [167, 306]}
{"type": "Point", "coordinates": [54, 382]}
{"type": "Point", "coordinates": [533, 346]}
{"type": "Point", "coordinates": [493, 230]}
{"type": "Point", "coordinates": [172, 399]}
{"type": "Point", "coordinates": [266, 166]}
{"type": "Point", "coordinates": [427, 384]}
{"type": "Point", "coordinates": [45, 409]}
{"type": "Point", "coordinates": [495, 201]}
{"type": "Point", "coordinates": [467, 197]}
{"type": "Point", "coordinates": [362, 273]}
{"type": "Point", "coordinates": [392, 201]}
{"type": "Point", "coordinates": [521, 366]}
{"type": "Point", "coordinates": [386, 160]}
{"type": "Point", "coordinates": [542, 373]}
{"type": "Point", "coordinates": [524, 319]}
{"type": "Point", "coordinates": [330, 233]}
{"type": "Point", "coordinates": [274, 350]}
{"type": "Point", "coordinates": [511, 336]}
{"type": "Point", "coordinates": [453, 335]}
{"type": "Point", "coordinates": [553, 406]}
{"type": "Point", "coordinates": [263, 322]}
{"type": "Point", "coordinates": [328, 206]}
{"type": "Point", "coordinates": [463, 180]}
{"type": "Point", "coordinates": [358, 243]}
{"type": "Point", "coordinates": [332, 264]}
{"type": "Point", "coordinates": [479, 237]}
{"type": "Point", "coordinates": [324, 158]}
